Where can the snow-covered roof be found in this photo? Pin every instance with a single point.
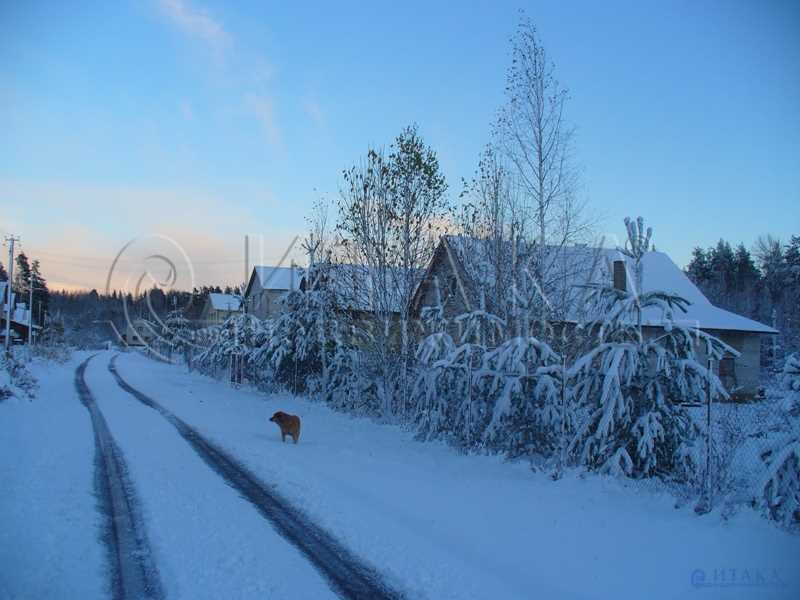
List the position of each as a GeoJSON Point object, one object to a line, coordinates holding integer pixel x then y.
{"type": "Point", "coordinates": [19, 313]}
{"type": "Point", "coordinates": [224, 301]}
{"type": "Point", "coordinates": [573, 266]}
{"type": "Point", "coordinates": [659, 273]}
{"type": "Point", "coordinates": [278, 278]}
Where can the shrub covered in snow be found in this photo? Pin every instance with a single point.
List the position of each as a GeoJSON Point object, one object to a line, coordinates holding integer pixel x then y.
{"type": "Point", "coordinates": [791, 383]}
{"type": "Point", "coordinates": [15, 378]}
{"type": "Point", "coordinates": [240, 335]}
{"type": "Point", "coordinates": [51, 344]}
{"type": "Point", "coordinates": [780, 490]}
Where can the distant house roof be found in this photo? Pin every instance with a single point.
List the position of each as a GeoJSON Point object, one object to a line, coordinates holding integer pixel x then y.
{"type": "Point", "coordinates": [227, 302]}
{"type": "Point", "coordinates": [275, 278]}
{"type": "Point", "coordinates": [19, 314]}
{"type": "Point", "coordinates": [580, 265]}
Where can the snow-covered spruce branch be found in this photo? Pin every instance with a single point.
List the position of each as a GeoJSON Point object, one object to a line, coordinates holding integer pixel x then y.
{"type": "Point", "coordinates": [631, 389]}
{"type": "Point", "coordinates": [780, 488]}
{"type": "Point", "coordinates": [506, 398]}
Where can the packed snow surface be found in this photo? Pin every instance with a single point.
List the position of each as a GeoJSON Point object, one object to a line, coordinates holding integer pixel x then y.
{"type": "Point", "coordinates": [435, 523]}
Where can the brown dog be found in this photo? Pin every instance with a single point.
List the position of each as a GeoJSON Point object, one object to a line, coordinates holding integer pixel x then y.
{"type": "Point", "coordinates": [289, 424]}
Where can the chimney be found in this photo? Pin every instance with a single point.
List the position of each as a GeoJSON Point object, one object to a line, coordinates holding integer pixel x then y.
{"type": "Point", "coordinates": [620, 278]}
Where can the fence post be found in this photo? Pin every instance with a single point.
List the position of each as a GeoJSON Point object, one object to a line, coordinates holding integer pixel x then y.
{"type": "Point", "coordinates": [563, 441]}
{"type": "Point", "coordinates": [705, 503]}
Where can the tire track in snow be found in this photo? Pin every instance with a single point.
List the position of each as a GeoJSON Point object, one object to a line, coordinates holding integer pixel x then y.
{"type": "Point", "coordinates": [348, 575]}
{"type": "Point", "coordinates": [133, 574]}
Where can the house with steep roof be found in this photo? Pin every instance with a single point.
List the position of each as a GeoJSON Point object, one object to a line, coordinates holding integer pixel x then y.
{"type": "Point", "coordinates": [218, 307]}
{"type": "Point", "coordinates": [267, 286]}
{"type": "Point", "coordinates": [140, 332]}
{"type": "Point", "coordinates": [458, 265]}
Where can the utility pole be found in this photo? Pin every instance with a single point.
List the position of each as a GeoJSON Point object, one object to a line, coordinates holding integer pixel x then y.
{"type": "Point", "coordinates": [10, 239]}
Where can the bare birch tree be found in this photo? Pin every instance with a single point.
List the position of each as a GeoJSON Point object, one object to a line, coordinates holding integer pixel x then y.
{"type": "Point", "coordinates": [533, 133]}
{"type": "Point", "coordinates": [534, 136]}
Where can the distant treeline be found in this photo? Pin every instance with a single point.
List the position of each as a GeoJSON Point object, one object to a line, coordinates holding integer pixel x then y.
{"type": "Point", "coordinates": [763, 284]}
{"type": "Point", "coordinates": [86, 315]}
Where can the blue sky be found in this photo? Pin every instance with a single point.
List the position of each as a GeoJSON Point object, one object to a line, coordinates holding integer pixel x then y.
{"type": "Point", "coordinates": [205, 121]}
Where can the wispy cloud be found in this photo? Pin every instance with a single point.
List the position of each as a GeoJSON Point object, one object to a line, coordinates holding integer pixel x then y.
{"type": "Point", "coordinates": [253, 73]}
{"type": "Point", "coordinates": [196, 22]}
{"type": "Point", "coordinates": [262, 107]}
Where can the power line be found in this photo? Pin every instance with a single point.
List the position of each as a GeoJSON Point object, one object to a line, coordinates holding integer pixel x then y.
{"type": "Point", "coordinates": [66, 258]}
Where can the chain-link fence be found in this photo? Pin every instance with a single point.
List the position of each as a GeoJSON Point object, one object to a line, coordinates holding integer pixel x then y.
{"type": "Point", "coordinates": [736, 440]}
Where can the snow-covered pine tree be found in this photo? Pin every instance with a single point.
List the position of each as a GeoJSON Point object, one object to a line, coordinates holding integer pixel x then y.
{"type": "Point", "coordinates": [453, 386]}
{"type": "Point", "coordinates": [350, 387]}
{"type": "Point", "coordinates": [780, 488]}
{"type": "Point", "coordinates": [176, 331]}
{"type": "Point", "coordinates": [240, 334]}
{"type": "Point", "coordinates": [631, 389]}
{"type": "Point", "coordinates": [523, 380]}
{"type": "Point", "coordinates": [791, 383]}
{"type": "Point", "coordinates": [282, 352]}
{"type": "Point", "coordinates": [301, 341]}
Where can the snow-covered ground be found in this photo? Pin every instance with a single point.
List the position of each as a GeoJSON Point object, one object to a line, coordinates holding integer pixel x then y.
{"type": "Point", "coordinates": [48, 521]}
{"type": "Point", "coordinates": [437, 524]}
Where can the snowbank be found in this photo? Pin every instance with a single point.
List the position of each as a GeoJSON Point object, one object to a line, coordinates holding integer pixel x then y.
{"type": "Point", "coordinates": [48, 520]}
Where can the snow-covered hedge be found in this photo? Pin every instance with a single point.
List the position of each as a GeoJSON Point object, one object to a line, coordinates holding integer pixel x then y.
{"type": "Point", "coordinates": [791, 383]}
{"type": "Point", "coordinates": [780, 489]}
{"type": "Point", "coordinates": [603, 394]}
{"type": "Point", "coordinates": [15, 379]}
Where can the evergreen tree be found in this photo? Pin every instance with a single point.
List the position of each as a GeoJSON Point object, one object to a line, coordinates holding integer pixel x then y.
{"type": "Point", "coordinates": [177, 330]}
{"type": "Point", "coordinates": [780, 487]}
{"type": "Point", "coordinates": [699, 269]}
{"type": "Point", "coordinates": [41, 294]}
{"type": "Point", "coordinates": [455, 390]}
{"type": "Point", "coordinates": [241, 334]}
{"type": "Point", "coordinates": [22, 274]}
{"type": "Point", "coordinates": [631, 388]}
{"type": "Point", "coordinates": [302, 338]}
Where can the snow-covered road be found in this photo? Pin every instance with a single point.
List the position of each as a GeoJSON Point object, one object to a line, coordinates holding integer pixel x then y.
{"type": "Point", "coordinates": [206, 539]}
{"type": "Point", "coordinates": [348, 575]}
{"type": "Point", "coordinates": [434, 523]}
{"type": "Point", "coordinates": [133, 572]}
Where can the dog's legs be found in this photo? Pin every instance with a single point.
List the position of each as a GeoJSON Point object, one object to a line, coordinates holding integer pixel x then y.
{"type": "Point", "coordinates": [283, 437]}
{"type": "Point", "coordinates": [294, 437]}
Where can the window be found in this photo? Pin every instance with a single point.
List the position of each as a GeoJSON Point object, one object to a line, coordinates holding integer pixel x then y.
{"type": "Point", "coordinates": [620, 276]}
{"type": "Point", "coordinates": [727, 367]}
